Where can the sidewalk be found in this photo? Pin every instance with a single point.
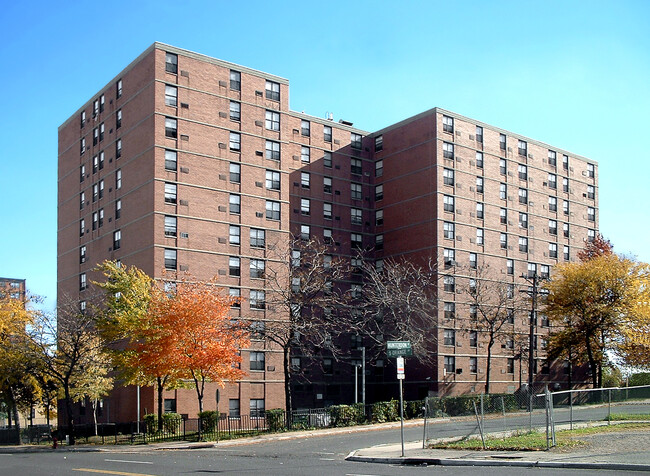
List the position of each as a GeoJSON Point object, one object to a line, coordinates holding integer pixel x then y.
{"type": "Point", "coordinates": [625, 454]}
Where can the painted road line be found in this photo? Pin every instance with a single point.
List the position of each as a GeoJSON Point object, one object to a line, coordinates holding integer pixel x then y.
{"type": "Point", "coordinates": [106, 471]}
{"type": "Point", "coordinates": [127, 461]}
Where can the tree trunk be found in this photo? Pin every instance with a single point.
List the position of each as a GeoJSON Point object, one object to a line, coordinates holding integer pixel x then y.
{"type": "Point", "coordinates": [160, 389]}
{"type": "Point", "coordinates": [287, 384]}
{"type": "Point", "coordinates": [592, 363]}
{"type": "Point", "coordinates": [95, 414]}
{"type": "Point", "coordinates": [488, 365]}
{"type": "Point", "coordinates": [68, 411]}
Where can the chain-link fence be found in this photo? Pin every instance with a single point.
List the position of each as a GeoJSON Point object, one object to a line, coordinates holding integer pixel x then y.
{"type": "Point", "coordinates": [539, 409]}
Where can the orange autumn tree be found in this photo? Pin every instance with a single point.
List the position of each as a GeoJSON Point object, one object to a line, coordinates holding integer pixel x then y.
{"type": "Point", "coordinates": [193, 325]}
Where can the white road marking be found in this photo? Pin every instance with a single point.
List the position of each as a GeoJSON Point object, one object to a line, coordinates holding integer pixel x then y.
{"type": "Point", "coordinates": [128, 461]}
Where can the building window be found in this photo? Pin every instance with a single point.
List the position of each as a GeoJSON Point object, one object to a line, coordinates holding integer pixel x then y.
{"type": "Point", "coordinates": [523, 195]}
{"type": "Point", "coordinates": [503, 169]}
{"type": "Point", "coordinates": [523, 172]}
{"type": "Point", "coordinates": [473, 338]}
{"type": "Point", "coordinates": [480, 236]}
{"type": "Point", "coordinates": [552, 158]}
{"type": "Point", "coordinates": [82, 146]}
{"type": "Point", "coordinates": [170, 160]}
{"type": "Point", "coordinates": [258, 238]}
{"type": "Point", "coordinates": [257, 268]}
{"type": "Point", "coordinates": [257, 408]}
{"type": "Point", "coordinates": [171, 63]}
{"type": "Point", "coordinates": [102, 103]}
{"type": "Point", "coordinates": [510, 267]}
{"type": "Point", "coordinates": [565, 162]}
{"type": "Point", "coordinates": [327, 159]}
{"type": "Point", "coordinates": [447, 150]}
{"type": "Point", "coordinates": [450, 364]}
{"type": "Point", "coordinates": [449, 337]}
{"type": "Point", "coordinates": [272, 121]}
{"type": "Point", "coordinates": [479, 211]}
{"type": "Point", "coordinates": [473, 260]}
{"type": "Point", "coordinates": [235, 294]}
{"type": "Point", "coordinates": [305, 232]}
{"type": "Point", "coordinates": [233, 408]}
{"type": "Point", "coordinates": [83, 283]}
{"type": "Point", "coordinates": [95, 107]}
{"type": "Point", "coordinates": [305, 128]}
{"type": "Point", "coordinates": [327, 184]}
{"type": "Point", "coordinates": [272, 150]}
{"type": "Point", "coordinates": [257, 299]}
{"type": "Point", "coordinates": [82, 254]}
{"type": "Point", "coordinates": [327, 211]}
{"type": "Point", "coordinates": [552, 227]}
{"type": "Point", "coordinates": [257, 360]}
{"type": "Point", "coordinates": [170, 226]}
{"type": "Point", "coordinates": [552, 204]}
{"type": "Point", "coordinates": [552, 250]}
{"type": "Point", "coordinates": [234, 266]}
{"type": "Point", "coordinates": [447, 124]}
{"type": "Point", "coordinates": [449, 284]}
{"type": "Point", "coordinates": [479, 134]}
{"type": "Point", "coordinates": [355, 166]}
{"type": "Point", "coordinates": [235, 111]}
{"type": "Point", "coordinates": [234, 170]}
{"type": "Point", "coordinates": [448, 176]}
{"type": "Point", "coordinates": [503, 216]}
{"type": "Point", "coordinates": [118, 149]}
{"type": "Point", "coordinates": [591, 192]}
{"type": "Point", "coordinates": [523, 220]}
{"type": "Point", "coordinates": [532, 270]}
{"type": "Point", "coordinates": [565, 230]}
{"type": "Point", "coordinates": [379, 192]}
{"type": "Point", "coordinates": [510, 365]}
{"type": "Point", "coordinates": [273, 180]}
{"type": "Point", "coordinates": [95, 220]}
{"type": "Point", "coordinates": [235, 141]}
{"type": "Point", "coordinates": [272, 210]}
{"type": "Point", "coordinates": [379, 217]}
{"type": "Point", "coordinates": [448, 201]}
{"type": "Point", "coordinates": [234, 202]}
{"type": "Point", "coordinates": [235, 80]}
{"type": "Point", "coordinates": [272, 90]}
{"type": "Point", "coordinates": [566, 253]}
{"type": "Point", "coordinates": [83, 118]}
{"type": "Point", "coordinates": [473, 365]}
{"type": "Point", "coordinates": [379, 242]}
{"type": "Point", "coordinates": [101, 132]}
{"type": "Point", "coordinates": [591, 171]}
{"type": "Point", "coordinates": [171, 95]}
{"type": "Point", "coordinates": [305, 206]}
{"type": "Point", "coordinates": [118, 181]}
{"type": "Point", "coordinates": [305, 181]}
{"type": "Point", "coordinates": [379, 168]}
{"type": "Point", "coordinates": [356, 240]}
{"type": "Point", "coordinates": [118, 89]}
{"type": "Point", "coordinates": [449, 257]}
{"type": "Point", "coordinates": [552, 181]}
{"type": "Point", "coordinates": [379, 143]}
{"type": "Point", "coordinates": [234, 233]}
{"type": "Point", "coordinates": [479, 184]}
{"type": "Point", "coordinates": [479, 160]}
{"type": "Point", "coordinates": [503, 191]}
{"type": "Point", "coordinates": [565, 207]}
{"type": "Point", "coordinates": [522, 148]}
{"type": "Point", "coordinates": [356, 217]}
{"type": "Point", "coordinates": [82, 199]}
{"type": "Point", "coordinates": [82, 227]}
{"type": "Point", "coordinates": [545, 272]}
{"type": "Point", "coordinates": [170, 259]}
{"type": "Point", "coordinates": [170, 128]}
{"type": "Point", "coordinates": [565, 184]}
{"type": "Point", "coordinates": [502, 141]}
{"type": "Point", "coordinates": [355, 191]}
{"type": "Point", "coordinates": [327, 133]}
{"type": "Point", "coordinates": [503, 241]}
{"type": "Point", "coordinates": [449, 230]}
{"type": "Point", "coordinates": [591, 214]}
{"type": "Point", "coordinates": [355, 140]}
{"type": "Point", "coordinates": [305, 155]}
{"type": "Point", "coordinates": [523, 244]}
{"type": "Point", "coordinates": [591, 235]}
{"type": "Point", "coordinates": [82, 173]}
{"type": "Point", "coordinates": [117, 239]}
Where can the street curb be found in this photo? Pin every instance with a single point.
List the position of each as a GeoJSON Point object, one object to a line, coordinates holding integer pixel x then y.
{"type": "Point", "coordinates": [495, 463]}
{"type": "Point", "coordinates": [34, 449]}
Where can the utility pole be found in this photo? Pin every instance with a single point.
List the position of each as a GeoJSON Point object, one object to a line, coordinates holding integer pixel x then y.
{"type": "Point", "coordinates": [534, 281]}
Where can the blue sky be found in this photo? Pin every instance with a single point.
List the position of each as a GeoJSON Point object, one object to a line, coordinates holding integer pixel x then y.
{"type": "Point", "coordinates": [575, 74]}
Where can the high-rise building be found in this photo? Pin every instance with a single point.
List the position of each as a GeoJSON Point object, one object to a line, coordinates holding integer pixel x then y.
{"type": "Point", "coordinates": [183, 162]}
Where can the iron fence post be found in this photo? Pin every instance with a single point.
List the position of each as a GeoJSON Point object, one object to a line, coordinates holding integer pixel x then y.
{"type": "Point", "coordinates": [609, 406]}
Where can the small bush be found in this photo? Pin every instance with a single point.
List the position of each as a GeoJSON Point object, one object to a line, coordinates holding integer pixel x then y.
{"type": "Point", "coordinates": [413, 409]}
{"type": "Point", "coordinates": [275, 419]}
{"type": "Point", "coordinates": [209, 421]}
{"type": "Point", "coordinates": [172, 422]}
{"type": "Point", "coordinates": [150, 423]}
{"type": "Point", "coordinates": [346, 415]}
{"type": "Point", "coordinates": [385, 411]}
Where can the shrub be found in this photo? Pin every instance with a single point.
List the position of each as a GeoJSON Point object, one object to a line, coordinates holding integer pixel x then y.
{"type": "Point", "coordinates": [640, 378]}
{"type": "Point", "coordinates": [275, 419]}
{"type": "Point", "coordinates": [346, 415]}
{"type": "Point", "coordinates": [150, 423]}
{"type": "Point", "coordinates": [385, 411]}
{"type": "Point", "coordinates": [209, 421]}
{"type": "Point", "coordinates": [172, 422]}
{"type": "Point", "coordinates": [456, 406]}
{"type": "Point", "coordinates": [413, 409]}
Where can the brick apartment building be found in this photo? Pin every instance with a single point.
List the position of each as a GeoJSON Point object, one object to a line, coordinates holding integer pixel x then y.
{"type": "Point", "coordinates": [184, 162]}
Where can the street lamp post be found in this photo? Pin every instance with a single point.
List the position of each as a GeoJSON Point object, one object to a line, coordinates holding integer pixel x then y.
{"type": "Point", "coordinates": [534, 280]}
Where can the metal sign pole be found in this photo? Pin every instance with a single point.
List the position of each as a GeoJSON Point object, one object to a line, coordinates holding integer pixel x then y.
{"type": "Point", "coordinates": [401, 414]}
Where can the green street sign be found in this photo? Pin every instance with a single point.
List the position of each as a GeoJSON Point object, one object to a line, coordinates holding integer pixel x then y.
{"type": "Point", "coordinates": [396, 348]}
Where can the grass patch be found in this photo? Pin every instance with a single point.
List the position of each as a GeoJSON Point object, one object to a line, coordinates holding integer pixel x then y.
{"type": "Point", "coordinates": [629, 416]}
{"type": "Point", "coordinates": [535, 441]}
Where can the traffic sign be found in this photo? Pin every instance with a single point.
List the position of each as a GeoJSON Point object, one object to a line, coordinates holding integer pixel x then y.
{"type": "Point", "coordinates": [397, 348]}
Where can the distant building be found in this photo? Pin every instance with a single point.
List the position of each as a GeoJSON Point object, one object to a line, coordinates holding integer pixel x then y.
{"type": "Point", "coordinates": [184, 162]}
